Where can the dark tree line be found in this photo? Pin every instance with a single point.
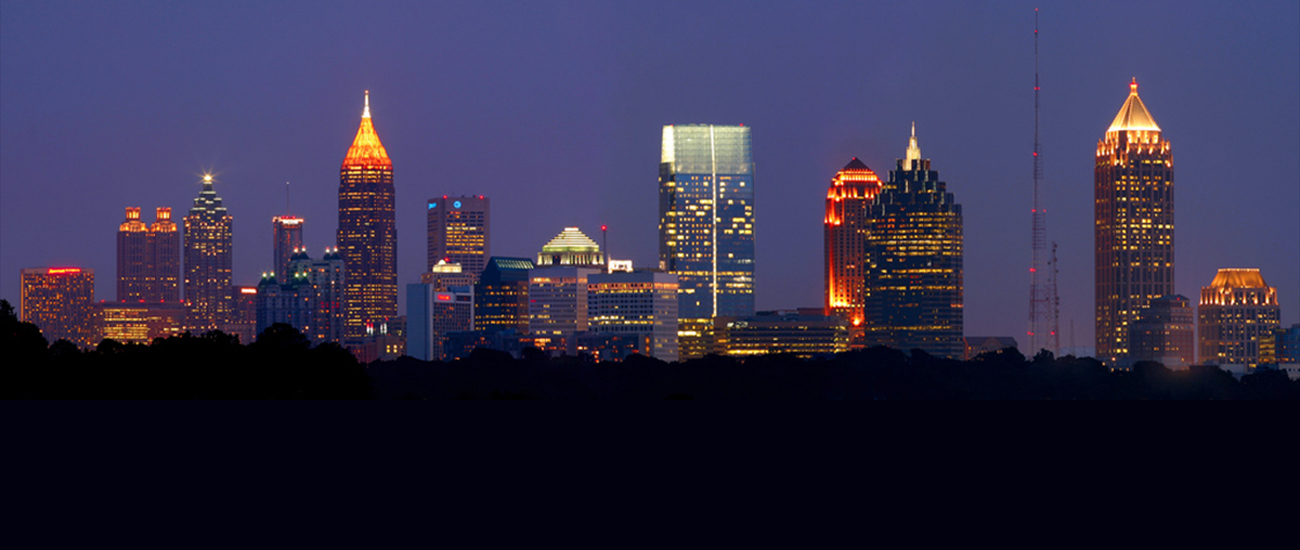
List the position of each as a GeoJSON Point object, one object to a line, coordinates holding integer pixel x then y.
{"type": "Point", "coordinates": [282, 364]}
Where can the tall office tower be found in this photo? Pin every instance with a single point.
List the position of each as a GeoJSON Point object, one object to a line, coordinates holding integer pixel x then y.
{"type": "Point", "coordinates": [432, 314]}
{"type": "Point", "coordinates": [165, 258]}
{"type": "Point", "coordinates": [1165, 332]}
{"type": "Point", "coordinates": [58, 301]}
{"type": "Point", "coordinates": [326, 276]}
{"type": "Point", "coordinates": [460, 232]}
{"type": "Point", "coordinates": [913, 282]}
{"type": "Point", "coordinates": [291, 302]}
{"type": "Point", "coordinates": [847, 202]}
{"type": "Point", "coordinates": [501, 295]}
{"type": "Point", "coordinates": [557, 303]}
{"type": "Point", "coordinates": [1238, 312]}
{"type": "Point", "coordinates": [287, 233]}
{"type": "Point", "coordinates": [706, 226]}
{"type": "Point", "coordinates": [132, 258]}
{"type": "Point", "coordinates": [148, 259]}
{"type": "Point", "coordinates": [1134, 232]}
{"type": "Point", "coordinates": [444, 275]}
{"type": "Point", "coordinates": [367, 238]}
{"type": "Point", "coordinates": [208, 260]}
{"type": "Point", "coordinates": [639, 303]}
{"type": "Point", "coordinates": [571, 247]}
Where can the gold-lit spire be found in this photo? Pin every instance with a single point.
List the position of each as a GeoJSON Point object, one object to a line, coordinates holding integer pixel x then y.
{"type": "Point", "coordinates": [1133, 115]}
{"type": "Point", "coordinates": [913, 150]}
{"type": "Point", "coordinates": [366, 150]}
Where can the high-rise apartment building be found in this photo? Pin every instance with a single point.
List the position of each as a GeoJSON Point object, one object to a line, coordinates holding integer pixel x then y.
{"type": "Point", "coordinates": [1239, 312]}
{"type": "Point", "coordinates": [367, 237]}
{"type": "Point", "coordinates": [58, 300]}
{"type": "Point", "coordinates": [706, 225]}
{"type": "Point", "coordinates": [847, 206]}
{"type": "Point", "coordinates": [287, 235]}
{"type": "Point", "coordinates": [460, 232]}
{"type": "Point", "coordinates": [208, 260]}
{"type": "Point", "coordinates": [1134, 230]}
{"type": "Point", "coordinates": [638, 303]}
{"type": "Point", "coordinates": [148, 258]}
{"type": "Point", "coordinates": [501, 295]}
{"type": "Point", "coordinates": [913, 280]}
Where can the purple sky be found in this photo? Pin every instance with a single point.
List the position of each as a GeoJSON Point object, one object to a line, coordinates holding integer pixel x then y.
{"type": "Point", "coordinates": [554, 111]}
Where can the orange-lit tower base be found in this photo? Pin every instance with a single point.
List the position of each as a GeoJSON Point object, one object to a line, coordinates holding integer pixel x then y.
{"type": "Point", "coordinates": [851, 191]}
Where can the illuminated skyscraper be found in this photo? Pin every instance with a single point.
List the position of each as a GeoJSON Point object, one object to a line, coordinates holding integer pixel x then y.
{"type": "Point", "coordinates": [706, 225]}
{"type": "Point", "coordinates": [58, 301]}
{"type": "Point", "coordinates": [367, 238]}
{"type": "Point", "coordinates": [287, 232]}
{"type": "Point", "coordinates": [913, 281]}
{"type": "Point", "coordinates": [459, 232]}
{"type": "Point", "coordinates": [148, 259]}
{"type": "Point", "coordinates": [1239, 312]}
{"type": "Point", "coordinates": [1134, 232]}
{"type": "Point", "coordinates": [847, 203]}
{"type": "Point", "coordinates": [501, 295]}
{"type": "Point", "coordinates": [208, 260]}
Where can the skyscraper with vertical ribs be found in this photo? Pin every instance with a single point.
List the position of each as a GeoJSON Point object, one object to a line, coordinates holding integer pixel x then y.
{"type": "Point", "coordinates": [847, 202]}
{"type": "Point", "coordinates": [148, 259]}
{"type": "Point", "coordinates": [1134, 233]}
{"type": "Point", "coordinates": [208, 260]}
{"type": "Point", "coordinates": [913, 281]}
{"type": "Point", "coordinates": [367, 238]}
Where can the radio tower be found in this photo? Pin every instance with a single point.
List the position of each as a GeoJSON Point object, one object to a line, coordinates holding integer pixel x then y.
{"type": "Point", "coordinates": [1040, 305]}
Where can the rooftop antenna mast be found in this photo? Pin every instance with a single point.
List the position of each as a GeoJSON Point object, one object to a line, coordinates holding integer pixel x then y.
{"type": "Point", "coordinates": [286, 197]}
{"type": "Point", "coordinates": [1040, 303]}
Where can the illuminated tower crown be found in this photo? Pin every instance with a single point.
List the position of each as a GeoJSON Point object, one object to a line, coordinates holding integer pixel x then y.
{"type": "Point", "coordinates": [847, 199]}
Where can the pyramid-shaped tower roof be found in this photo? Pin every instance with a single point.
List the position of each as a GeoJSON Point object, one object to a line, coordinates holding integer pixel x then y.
{"type": "Point", "coordinates": [571, 240]}
{"type": "Point", "coordinates": [1133, 115]}
{"type": "Point", "coordinates": [366, 150]}
{"type": "Point", "coordinates": [856, 164]}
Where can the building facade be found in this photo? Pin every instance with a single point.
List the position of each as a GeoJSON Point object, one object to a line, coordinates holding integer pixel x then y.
{"type": "Point", "coordinates": [557, 302]}
{"type": "Point", "coordinates": [460, 231]}
{"type": "Point", "coordinates": [310, 297]}
{"type": "Point", "coordinates": [501, 295]}
{"type": "Point", "coordinates": [367, 234]}
{"type": "Point", "coordinates": [432, 314]}
{"type": "Point", "coordinates": [848, 203]}
{"type": "Point", "coordinates": [1165, 332]}
{"type": "Point", "coordinates": [783, 332]}
{"type": "Point", "coordinates": [148, 258]}
{"type": "Point", "coordinates": [706, 225]}
{"type": "Point", "coordinates": [138, 323]}
{"type": "Point", "coordinates": [287, 234]}
{"type": "Point", "coordinates": [1134, 229]}
{"type": "Point", "coordinates": [444, 275]}
{"type": "Point", "coordinates": [1239, 315]}
{"type": "Point", "coordinates": [571, 247]}
{"type": "Point", "coordinates": [640, 303]}
{"type": "Point", "coordinates": [913, 285]}
{"type": "Point", "coordinates": [58, 300]}
{"type": "Point", "coordinates": [209, 256]}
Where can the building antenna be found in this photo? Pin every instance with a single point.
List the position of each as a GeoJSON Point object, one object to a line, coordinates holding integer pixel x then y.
{"type": "Point", "coordinates": [604, 244]}
{"type": "Point", "coordinates": [1039, 299]}
{"type": "Point", "coordinates": [286, 198]}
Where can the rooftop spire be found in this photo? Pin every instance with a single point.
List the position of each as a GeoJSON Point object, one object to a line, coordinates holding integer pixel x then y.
{"type": "Point", "coordinates": [1133, 115]}
{"type": "Point", "coordinates": [366, 113]}
{"type": "Point", "coordinates": [913, 150]}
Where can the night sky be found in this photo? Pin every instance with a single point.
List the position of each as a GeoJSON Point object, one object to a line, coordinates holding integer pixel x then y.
{"type": "Point", "coordinates": [554, 111]}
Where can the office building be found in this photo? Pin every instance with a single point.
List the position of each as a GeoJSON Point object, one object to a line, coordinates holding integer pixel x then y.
{"type": "Point", "coordinates": [367, 234]}
{"type": "Point", "coordinates": [209, 252]}
{"type": "Point", "coordinates": [136, 322]}
{"type": "Point", "coordinates": [309, 297]}
{"type": "Point", "coordinates": [557, 302]}
{"type": "Point", "coordinates": [571, 247]}
{"type": "Point", "coordinates": [801, 334]}
{"type": "Point", "coordinates": [432, 314]}
{"type": "Point", "coordinates": [287, 234]}
{"type": "Point", "coordinates": [460, 232]}
{"type": "Point", "coordinates": [847, 205]}
{"type": "Point", "coordinates": [1238, 313]}
{"type": "Point", "coordinates": [58, 301]}
{"type": "Point", "coordinates": [1164, 332]}
{"type": "Point", "coordinates": [501, 295]}
{"type": "Point", "coordinates": [913, 281]}
{"type": "Point", "coordinates": [243, 314]}
{"type": "Point", "coordinates": [1134, 229]}
{"type": "Point", "coordinates": [444, 275]}
{"type": "Point", "coordinates": [148, 258]}
{"type": "Point", "coordinates": [639, 303]}
{"type": "Point", "coordinates": [706, 225]}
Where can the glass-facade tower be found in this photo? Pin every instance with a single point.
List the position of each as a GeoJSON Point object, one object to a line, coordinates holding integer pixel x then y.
{"type": "Point", "coordinates": [706, 218]}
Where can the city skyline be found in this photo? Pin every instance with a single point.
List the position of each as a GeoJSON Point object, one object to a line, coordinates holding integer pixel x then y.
{"type": "Point", "coordinates": [1228, 103]}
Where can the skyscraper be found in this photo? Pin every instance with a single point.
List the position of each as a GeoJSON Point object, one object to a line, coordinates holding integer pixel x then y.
{"type": "Point", "coordinates": [367, 238]}
{"type": "Point", "coordinates": [847, 203]}
{"type": "Point", "coordinates": [208, 260]}
{"type": "Point", "coordinates": [639, 303]}
{"type": "Point", "coordinates": [148, 258]}
{"type": "Point", "coordinates": [58, 301]}
{"type": "Point", "coordinates": [287, 232]}
{"type": "Point", "coordinates": [1239, 312]}
{"type": "Point", "coordinates": [1134, 231]}
{"type": "Point", "coordinates": [501, 295]}
{"type": "Point", "coordinates": [706, 224]}
{"type": "Point", "coordinates": [913, 280]}
{"type": "Point", "coordinates": [459, 232]}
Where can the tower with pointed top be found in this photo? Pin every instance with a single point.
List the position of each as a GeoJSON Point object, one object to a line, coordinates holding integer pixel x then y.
{"type": "Point", "coordinates": [912, 290]}
{"type": "Point", "coordinates": [209, 254]}
{"type": "Point", "coordinates": [847, 201]}
{"type": "Point", "coordinates": [1134, 230]}
{"type": "Point", "coordinates": [367, 237]}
